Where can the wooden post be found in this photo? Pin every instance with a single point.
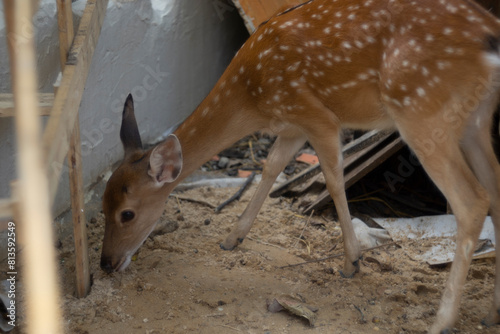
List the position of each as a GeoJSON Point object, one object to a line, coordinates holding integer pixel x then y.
{"type": "Point", "coordinates": [66, 34]}
{"type": "Point", "coordinates": [34, 224]}
{"type": "Point", "coordinates": [59, 128]}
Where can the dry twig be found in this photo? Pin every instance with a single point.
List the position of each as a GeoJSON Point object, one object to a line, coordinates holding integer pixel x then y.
{"type": "Point", "coordinates": [335, 256]}
{"type": "Point", "coordinates": [189, 199]}
{"type": "Point", "coordinates": [238, 194]}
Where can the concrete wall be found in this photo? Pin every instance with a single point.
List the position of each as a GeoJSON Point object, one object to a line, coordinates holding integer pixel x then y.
{"type": "Point", "coordinates": [168, 53]}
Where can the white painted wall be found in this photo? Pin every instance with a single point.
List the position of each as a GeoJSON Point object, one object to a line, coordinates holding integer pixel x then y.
{"type": "Point", "coordinates": [168, 53]}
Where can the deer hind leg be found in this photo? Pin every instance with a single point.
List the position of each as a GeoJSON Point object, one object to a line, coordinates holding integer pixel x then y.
{"type": "Point", "coordinates": [479, 153]}
{"type": "Point", "coordinates": [442, 158]}
{"type": "Point", "coordinates": [285, 146]}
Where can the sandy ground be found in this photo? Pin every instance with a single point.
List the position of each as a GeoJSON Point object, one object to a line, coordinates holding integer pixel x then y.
{"type": "Point", "coordinates": [182, 282]}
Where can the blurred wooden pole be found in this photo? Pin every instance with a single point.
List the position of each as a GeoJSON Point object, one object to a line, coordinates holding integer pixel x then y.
{"type": "Point", "coordinates": [66, 34]}
{"type": "Point", "coordinates": [35, 221]}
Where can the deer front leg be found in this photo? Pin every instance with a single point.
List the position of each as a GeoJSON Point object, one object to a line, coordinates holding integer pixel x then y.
{"type": "Point", "coordinates": [493, 317]}
{"type": "Point", "coordinates": [282, 151]}
{"type": "Point", "coordinates": [330, 156]}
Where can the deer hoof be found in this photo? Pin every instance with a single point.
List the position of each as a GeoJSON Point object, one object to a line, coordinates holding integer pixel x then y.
{"type": "Point", "coordinates": [492, 320]}
{"type": "Point", "coordinates": [226, 248]}
{"type": "Point", "coordinates": [351, 275]}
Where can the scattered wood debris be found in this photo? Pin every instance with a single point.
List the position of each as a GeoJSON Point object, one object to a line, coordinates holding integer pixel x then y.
{"type": "Point", "coordinates": [293, 306]}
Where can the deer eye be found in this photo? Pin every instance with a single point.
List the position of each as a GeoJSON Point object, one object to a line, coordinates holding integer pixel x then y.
{"type": "Point", "coordinates": [127, 216]}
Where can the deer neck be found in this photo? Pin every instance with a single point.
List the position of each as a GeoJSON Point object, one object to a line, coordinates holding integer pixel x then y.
{"type": "Point", "coordinates": [220, 120]}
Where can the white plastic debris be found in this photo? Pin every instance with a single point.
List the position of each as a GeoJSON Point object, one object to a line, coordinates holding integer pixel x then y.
{"type": "Point", "coordinates": [441, 228]}
{"type": "Point", "coordinates": [369, 237]}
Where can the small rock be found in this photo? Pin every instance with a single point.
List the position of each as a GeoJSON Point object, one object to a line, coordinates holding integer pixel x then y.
{"type": "Point", "coordinates": [223, 162]}
{"type": "Point", "coordinates": [207, 221]}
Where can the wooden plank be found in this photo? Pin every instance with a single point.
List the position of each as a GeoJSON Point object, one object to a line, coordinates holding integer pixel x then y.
{"type": "Point", "coordinates": [60, 126]}
{"type": "Point", "coordinates": [254, 12]}
{"type": "Point", "coordinates": [65, 28]}
{"type": "Point", "coordinates": [351, 152]}
{"type": "Point", "coordinates": [45, 103]}
{"type": "Point", "coordinates": [354, 174]}
{"type": "Point", "coordinates": [34, 221]}
{"type": "Point", "coordinates": [82, 271]}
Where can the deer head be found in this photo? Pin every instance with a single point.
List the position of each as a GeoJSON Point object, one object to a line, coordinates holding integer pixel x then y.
{"type": "Point", "coordinates": [135, 193]}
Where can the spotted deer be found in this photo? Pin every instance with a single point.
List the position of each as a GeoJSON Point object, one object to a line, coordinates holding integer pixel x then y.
{"type": "Point", "coordinates": [429, 69]}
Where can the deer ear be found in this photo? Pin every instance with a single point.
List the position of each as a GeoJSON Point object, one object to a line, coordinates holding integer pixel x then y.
{"type": "Point", "coordinates": [165, 162]}
{"type": "Point", "coordinates": [129, 132]}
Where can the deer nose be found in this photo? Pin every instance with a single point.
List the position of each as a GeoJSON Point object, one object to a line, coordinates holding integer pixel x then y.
{"type": "Point", "coordinates": [106, 265]}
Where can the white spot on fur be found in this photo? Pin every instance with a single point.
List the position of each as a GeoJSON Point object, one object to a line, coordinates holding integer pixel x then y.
{"type": "Point", "coordinates": [346, 45]}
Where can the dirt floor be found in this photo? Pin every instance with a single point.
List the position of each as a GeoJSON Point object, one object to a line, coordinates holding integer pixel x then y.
{"type": "Point", "coordinates": [182, 282]}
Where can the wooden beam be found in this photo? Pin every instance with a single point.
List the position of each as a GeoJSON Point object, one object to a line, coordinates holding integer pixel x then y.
{"type": "Point", "coordinates": [65, 27]}
{"type": "Point", "coordinates": [351, 152]}
{"type": "Point", "coordinates": [60, 126]}
{"type": "Point", "coordinates": [34, 223]}
{"type": "Point", "coordinates": [45, 103]}
{"type": "Point", "coordinates": [255, 12]}
{"type": "Point", "coordinates": [355, 170]}
{"type": "Point", "coordinates": [66, 34]}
